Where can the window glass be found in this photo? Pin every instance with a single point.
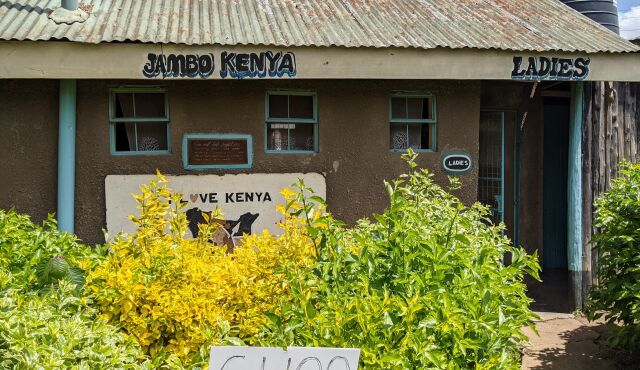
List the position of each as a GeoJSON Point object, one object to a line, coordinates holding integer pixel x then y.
{"type": "Point", "coordinates": [125, 134]}
{"type": "Point", "coordinates": [291, 122]}
{"type": "Point", "coordinates": [139, 122]}
{"type": "Point", "coordinates": [413, 123]}
{"type": "Point", "coordinates": [411, 135]}
{"type": "Point", "coordinates": [427, 109]}
{"type": "Point", "coordinates": [301, 106]}
{"type": "Point", "coordinates": [124, 105]}
{"type": "Point", "coordinates": [399, 108]}
{"type": "Point", "coordinates": [151, 136]}
{"type": "Point", "coordinates": [418, 136]}
{"type": "Point", "coordinates": [414, 108]}
{"type": "Point", "coordinates": [301, 137]}
{"type": "Point", "coordinates": [149, 105]}
{"type": "Point", "coordinates": [399, 137]}
{"type": "Point", "coordinates": [278, 136]}
{"type": "Point", "coordinates": [278, 106]}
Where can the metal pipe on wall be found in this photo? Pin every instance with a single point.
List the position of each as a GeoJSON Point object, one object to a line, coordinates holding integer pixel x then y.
{"type": "Point", "coordinates": [67, 155]}
{"type": "Point", "coordinates": [70, 4]}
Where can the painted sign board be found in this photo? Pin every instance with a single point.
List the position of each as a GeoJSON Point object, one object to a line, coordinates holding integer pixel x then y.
{"type": "Point", "coordinates": [539, 68]}
{"type": "Point", "coordinates": [20, 59]}
{"type": "Point", "coordinates": [231, 65]}
{"type": "Point", "coordinates": [217, 151]}
{"type": "Point", "coordinates": [294, 358]}
{"type": "Point", "coordinates": [457, 162]}
{"type": "Point", "coordinates": [248, 201]}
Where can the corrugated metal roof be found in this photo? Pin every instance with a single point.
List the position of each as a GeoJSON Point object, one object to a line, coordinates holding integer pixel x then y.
{"type": "Point", "coordinates": [540, 25]}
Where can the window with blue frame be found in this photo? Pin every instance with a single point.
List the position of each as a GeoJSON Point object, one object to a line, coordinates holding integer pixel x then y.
{"type": "Point", "coordinates": [139, 121]}
{"type": "Point", "coordinates": [413, 122]}
{"type": "Point", "coordinates": [291, 122]}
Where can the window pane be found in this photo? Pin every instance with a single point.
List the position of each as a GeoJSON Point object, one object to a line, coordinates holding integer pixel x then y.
{"type": "Point", "coordinates": [301, 106]}
{"type": "Point", "coordinates": [398, 108]}
{"type": "Point", "coordinates": [278, 106]}
{"type": "Point", "coordinates": [398, 136]}
{"type": "Point", "coordinates": [123, 105]}
{"type": "Point", "coordinates": [125, 136]}
{"type": "Point", "coordinates": [277, 136]}
{"type": "Point", "coordinates": [301, 137]}
{"type": "Point", "coordinates": [427, 109]}
{"type": "Point", "coordinates": [152, 136]}
{"type": "Point", "coordinates": [419, 136]}
{"type": "Point", "coordinates": [149, 105]}
{"type": "Point", "coordinates": [414, 107]}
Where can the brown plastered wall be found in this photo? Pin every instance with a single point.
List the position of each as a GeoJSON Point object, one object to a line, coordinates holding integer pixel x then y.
{"type": "Point", "coordinates": [29, 140]}
{"type": "Point", "coordinates": [516, 96]}
{"type": "Point", "coordinates": [353, 134]}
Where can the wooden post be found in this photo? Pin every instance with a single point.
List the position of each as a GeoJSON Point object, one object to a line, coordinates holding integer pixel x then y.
{"type": "Point", "coordinates": [610, 134]}
{"type": "Point", "coordinates": [587, 183]}
{"type": "Point", "coordinates": [574, 195]}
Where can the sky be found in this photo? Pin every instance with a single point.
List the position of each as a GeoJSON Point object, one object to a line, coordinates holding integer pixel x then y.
{"type": "Point", "coordinates": [629, 14]}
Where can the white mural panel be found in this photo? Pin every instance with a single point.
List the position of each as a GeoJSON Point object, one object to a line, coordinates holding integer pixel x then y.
{"type": "Point", "coordinates": [248, 201]}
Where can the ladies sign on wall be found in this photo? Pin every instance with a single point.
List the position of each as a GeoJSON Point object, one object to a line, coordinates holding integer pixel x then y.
{"type": "Point", "coordinates": [248, 201]}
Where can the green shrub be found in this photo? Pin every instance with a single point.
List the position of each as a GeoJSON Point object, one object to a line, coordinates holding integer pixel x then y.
{"type": "Point", "coordinates": [424, 286]}
{"type": "Point", "coordinates": [38, 256]}
{"type": "Point", "coordinates": [57, 330]}
{"type": "Point", "coordinates": [617, 295]}
{"type": "Point", "coordinates": [52, 328]}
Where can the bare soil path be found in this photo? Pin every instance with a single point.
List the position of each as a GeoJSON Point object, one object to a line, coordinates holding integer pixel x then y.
{"type": "Point", "coordinates": [566, 342]}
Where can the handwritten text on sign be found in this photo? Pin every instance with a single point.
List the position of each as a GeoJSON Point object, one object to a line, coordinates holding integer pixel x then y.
{"type": "Point", "coordinates": [217, 151]}
{"type": "Point", "coordinates": [294, 358]}
{"type": "Point", "coordinates": [457, 162]}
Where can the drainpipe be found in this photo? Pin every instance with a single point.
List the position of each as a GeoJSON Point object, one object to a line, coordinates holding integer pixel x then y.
{"type": "Point", "coordinates": [574, 195]}
{"type": "Point", "coordinates": [67, 155]}
{"type": "Point", "coordinates": [70, 4]}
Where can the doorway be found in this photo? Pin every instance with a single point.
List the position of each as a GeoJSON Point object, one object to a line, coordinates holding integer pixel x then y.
{"type": "Point", "coordinates": [556, 158]}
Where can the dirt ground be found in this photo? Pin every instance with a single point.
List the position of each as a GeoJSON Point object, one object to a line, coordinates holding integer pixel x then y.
{"type": "Point", "coordinates": [570, 342]}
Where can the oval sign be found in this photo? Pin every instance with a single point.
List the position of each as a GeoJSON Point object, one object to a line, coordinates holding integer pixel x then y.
{"type": "Point", "coordinates": [457, 162]}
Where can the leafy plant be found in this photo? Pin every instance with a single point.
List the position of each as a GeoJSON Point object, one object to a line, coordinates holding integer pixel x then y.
{"type": "Point", "coordinates": [176, 295]}
{"type": "Point", "coordinates": [57, 329]}
{"type": "Point", "coordinates": [421, 287]}
{"type": "Point", "coordinates": [39, 256]}
{"type": "Point", "coordinates": [55, 269]}
{"type": "Point", "coordinates": [617, 295]}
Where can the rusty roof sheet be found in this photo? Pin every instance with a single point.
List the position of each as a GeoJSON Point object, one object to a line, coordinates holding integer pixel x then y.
{"type": "Point", "coordinates": [540, 25]}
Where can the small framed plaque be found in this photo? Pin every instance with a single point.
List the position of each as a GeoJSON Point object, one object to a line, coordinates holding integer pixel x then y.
{"type": "Point", "coordinates": [457, 162]}
{"type": "Point", "coordinates": [217, 151]}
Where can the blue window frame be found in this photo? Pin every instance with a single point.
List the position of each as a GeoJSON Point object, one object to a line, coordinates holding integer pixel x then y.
{"type": "Point", "coordinates": [139, 121]}
{"type": "Point", "coordinates": [413, 122]}
{"type": "Point", "coordinates": [291, 122]}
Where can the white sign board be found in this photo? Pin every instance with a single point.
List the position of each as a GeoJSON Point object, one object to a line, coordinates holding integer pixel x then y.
{"type": "Point", "coordinates": [248, 201]}
{"type": "Point", "coordinates": [294, 358]}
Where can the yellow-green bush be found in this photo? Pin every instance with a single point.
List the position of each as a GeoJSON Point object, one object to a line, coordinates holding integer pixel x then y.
{"type": "Point", "coordinates": [420, 286]}
{"type": "Point", "coordinates": [175, 294]}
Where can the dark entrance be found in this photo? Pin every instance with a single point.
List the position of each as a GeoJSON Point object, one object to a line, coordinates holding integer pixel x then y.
{"type": "Point", "coordinates": [556, 143]}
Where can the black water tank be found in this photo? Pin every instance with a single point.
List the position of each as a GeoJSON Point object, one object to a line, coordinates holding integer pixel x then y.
{"type": "Point", "coordinates": [604, 12]}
